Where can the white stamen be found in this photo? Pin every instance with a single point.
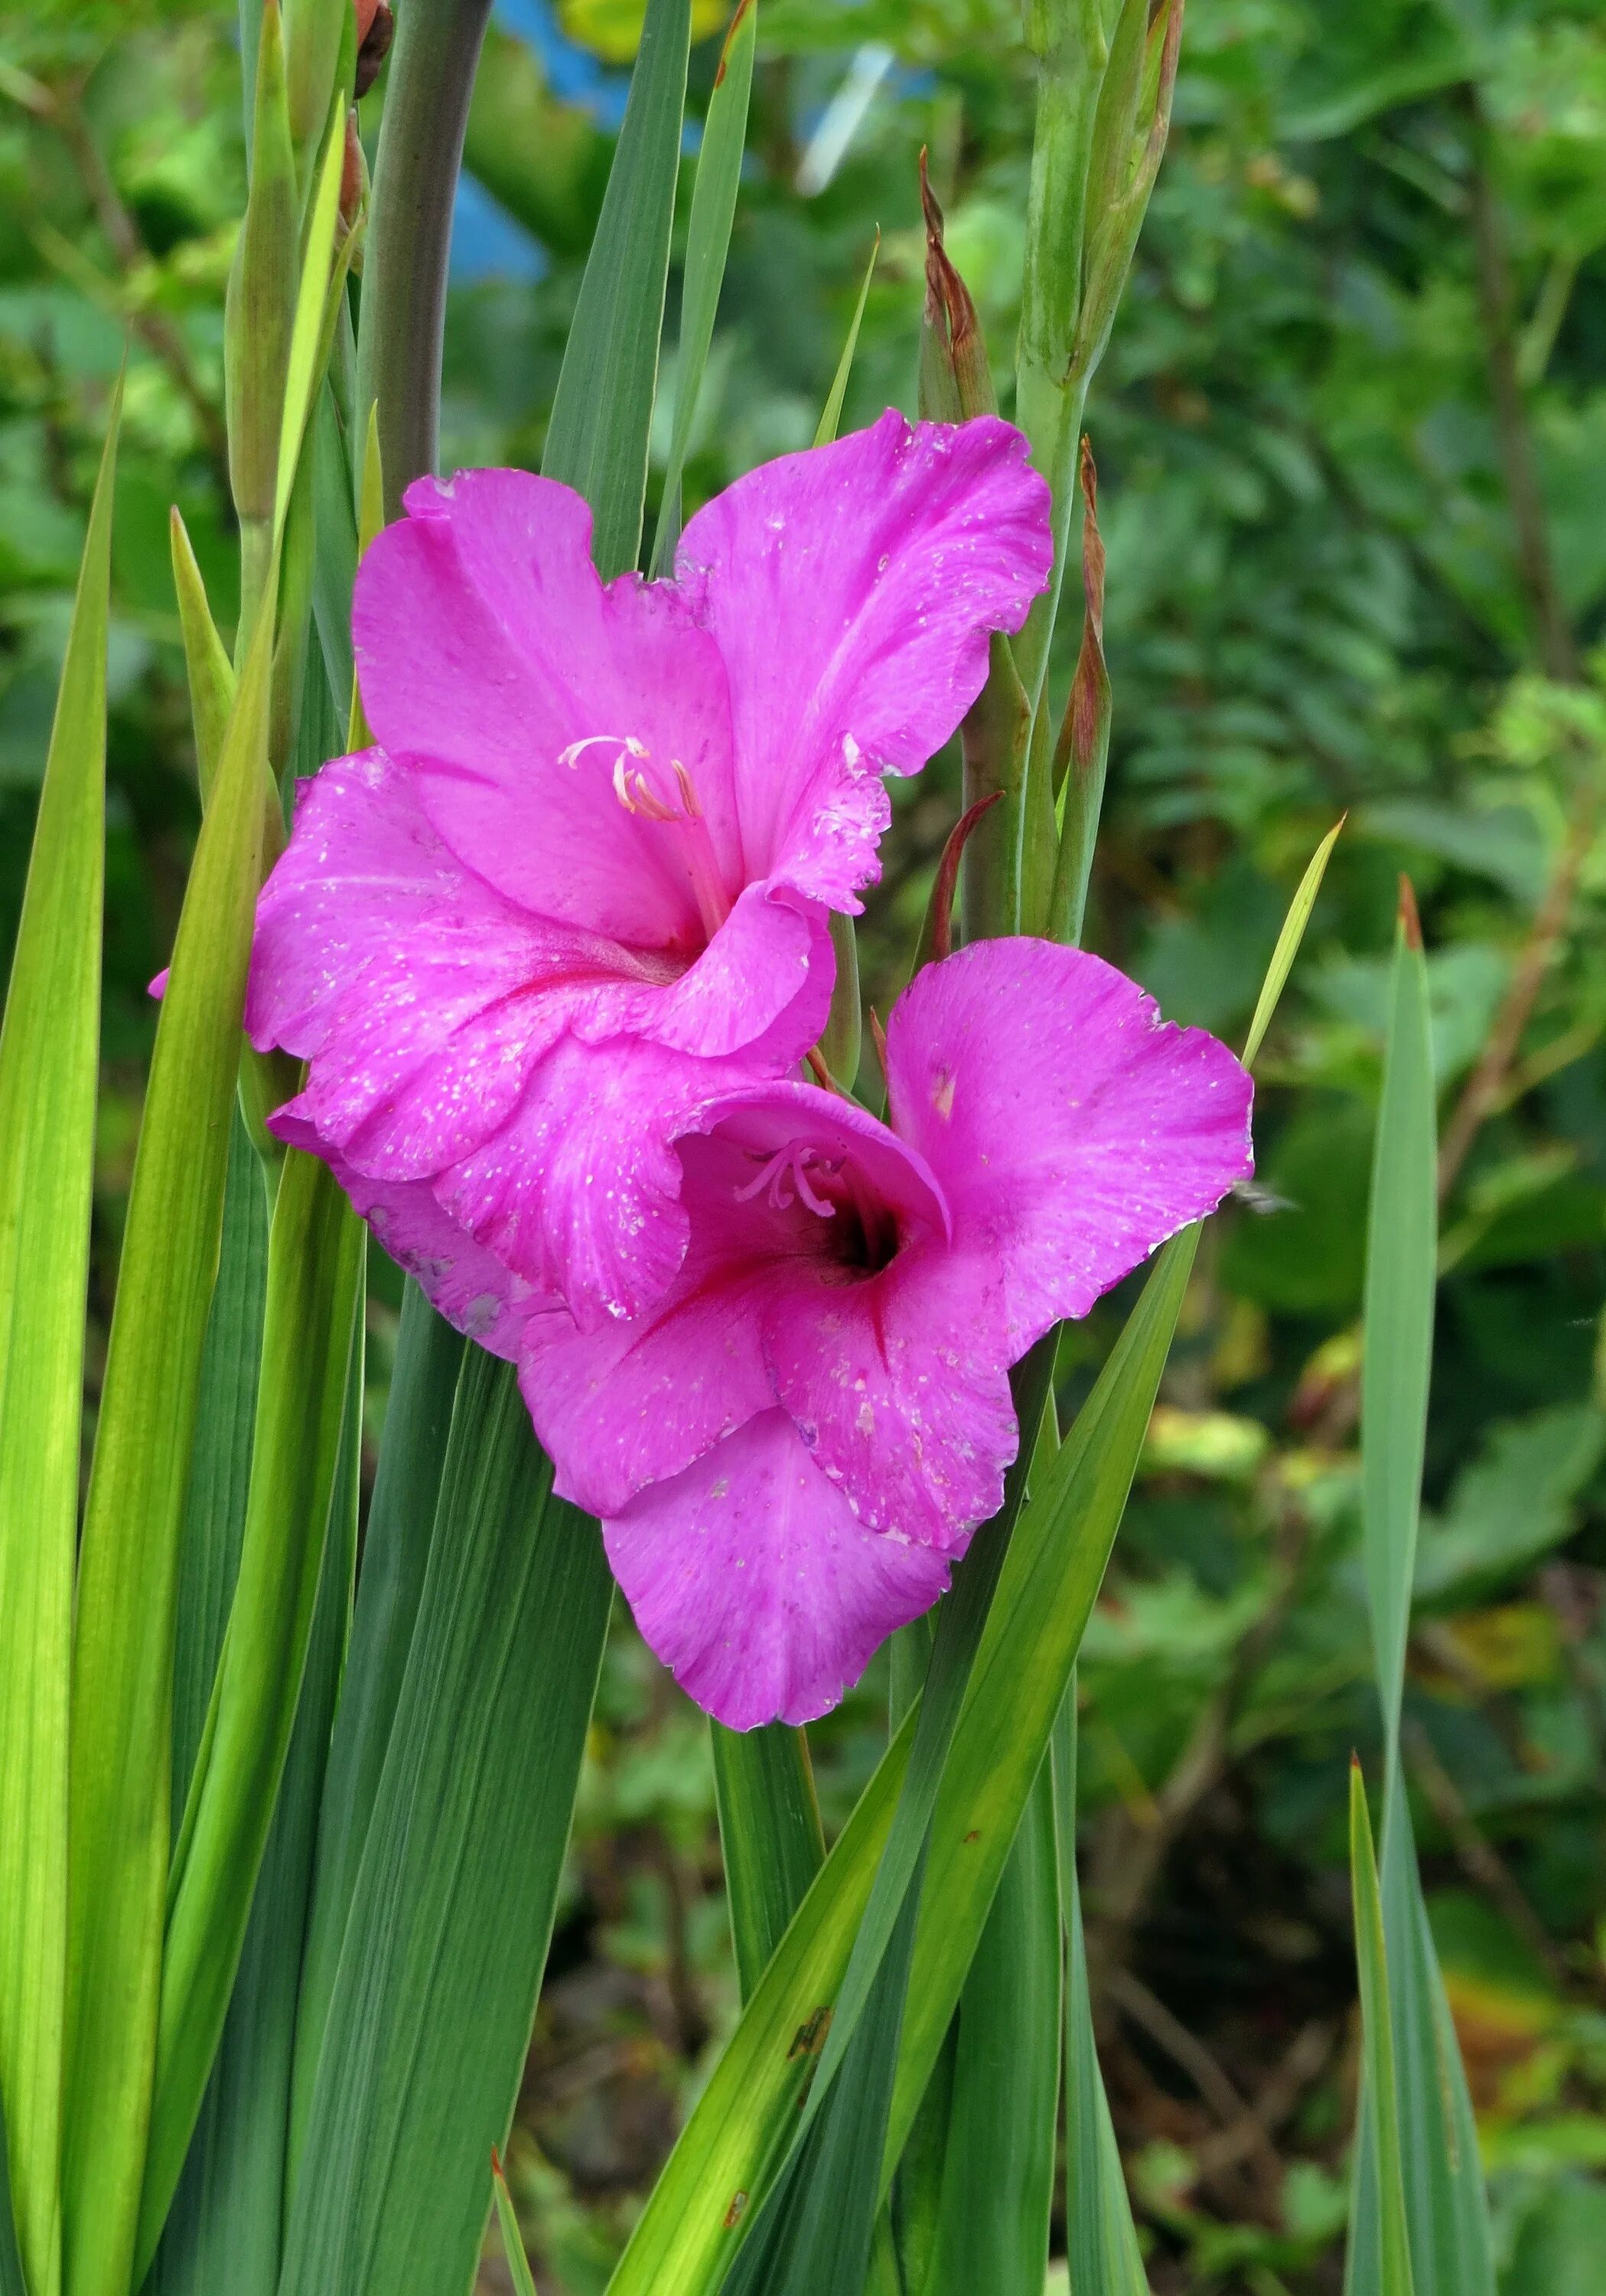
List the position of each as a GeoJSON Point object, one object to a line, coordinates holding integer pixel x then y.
{"type": "Point", "coordinates": [625, 744]}
{"type": "Point", "coordinates": [782, 1175]}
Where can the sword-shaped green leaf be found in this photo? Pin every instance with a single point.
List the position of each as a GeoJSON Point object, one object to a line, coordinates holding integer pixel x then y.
{"type": "Point", "coordinates": [224, 2231]}
{"type": "Point", "coordinates": [441, 1957]}
{"type": "Point", "coordinates": [314, 1270]}
{"type": "Point", "coordinates": [831, 414]}
{"type": "Point", "coordinates": [601, 416]}
{"type": "Point", "coordinates": [707, 244]}
{"type": "Point", "coordinates": [513, 2239]}
{"type": "Point", "coordinates": [998, 2175]}
{"type": "Point", "coordinates": [1380, 2096]}
{"type": "Point", "coordinates": [769, 1836]}
{"type": "Point", "coordinates": [1446, 2210]}
{"type": "Point", "coordinates": [122, 1685]}
{"type": "Point", "coordinates": [49, 1061]}
{"type": "Point", "coordinates": [401, 1522]}
{"type": "Point", "coordinates": [1100, 2236]}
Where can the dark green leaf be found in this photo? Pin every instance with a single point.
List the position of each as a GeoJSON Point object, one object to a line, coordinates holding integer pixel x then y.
{"type": "Point", "coordinates": [436, 1982]}
{"type": "Point", "coordinates": [769, 1834]}
{"type": "Point", "coordinates": [396, 1551]}
{"type": "Point", "coordinates": [313, 1292]}
{"type": "Point", "coordinates": [998, 2179]}
{"type": "Point", "coordinates": [225, 2226]}
{"type": "Point", "coordinates": [1101, 2237]}
{"type": "Point", "coordinates": [220, 1464]}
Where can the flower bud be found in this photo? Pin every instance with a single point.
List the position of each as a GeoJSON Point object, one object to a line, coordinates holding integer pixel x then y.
{"type": "Point", "coordinates": [956, 381]}
{"type": "Point", "coordinates": [375, 30]}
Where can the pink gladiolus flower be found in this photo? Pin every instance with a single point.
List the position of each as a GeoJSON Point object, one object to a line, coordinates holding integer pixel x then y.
{"type": "Point", "coordinates": [581, 883]}
{"type": "Point", "coordinates": [788, 1450]}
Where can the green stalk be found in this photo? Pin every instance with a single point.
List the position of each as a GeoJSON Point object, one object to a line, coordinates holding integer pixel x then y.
{"type": "Point", "coordinates": [403, 327]}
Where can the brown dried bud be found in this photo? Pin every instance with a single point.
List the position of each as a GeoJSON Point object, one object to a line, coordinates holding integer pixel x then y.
{"type": "Point", "coordinates": [375, 30]}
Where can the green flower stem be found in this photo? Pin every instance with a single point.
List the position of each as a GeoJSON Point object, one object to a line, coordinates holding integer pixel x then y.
{"type": "Point", "coordinates": [403, 324]}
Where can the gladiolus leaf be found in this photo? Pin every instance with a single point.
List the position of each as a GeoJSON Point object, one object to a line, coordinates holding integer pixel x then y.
{"type": "Point", "coordinates": [315, 1263]}
{"type": "Point", "coordinates": [707, 245]}
{"type": "Point", "coordinates": [602, 417]}
{"type": "Point", "coordinates": [830, 414]}
{"type": "Point", "coordinates": [49, 1059]}
{"type": "Point", "coordinates": [435, 1984]}
{"type": "Point", "coordinates": [128, 1572]}
{"type": "Point", "coordinates": [513, 2241]}
{"type": "Point", "coordinates": [1380, 2098]}
{"type": "Point", "coordinates": [1445, 2213]}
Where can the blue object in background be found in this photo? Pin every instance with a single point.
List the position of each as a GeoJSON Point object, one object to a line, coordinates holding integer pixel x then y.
{"type": "Point", "coordinates": [486, 243]}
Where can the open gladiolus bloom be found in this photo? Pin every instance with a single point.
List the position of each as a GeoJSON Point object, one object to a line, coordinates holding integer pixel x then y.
{"type": "Point", "coordinates": [582, 882]}
{"type": "Point", "coordinates": [791, 1448]}
{"type": "Point", "coordinates": [554, 950]}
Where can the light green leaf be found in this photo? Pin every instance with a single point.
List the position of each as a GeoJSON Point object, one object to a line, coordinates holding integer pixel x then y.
{"type": "Point", "coordinates": [1287, 944]}
{"type": "Point", "coordinates": [816, 2235]}
{"type": "Point", "coordinates": [435, 1986]}
{"type": "Point", "coordinates": [513, 2241]}
{"type": "Point", "coordinates": [707, 244]}
{"type": "Point", "coordinates": [210, 671]}
{"type": "Point", "coordinates": [308, 353]}
{"type": "Point", "coordinates": [601, 416]}
{"type": "Point", "coordinates": [830, 414]}
{"type": "Point", "coordinates": [127, 1570]}
{"type": "Point", "coordinates": [49, 1060]}
{"type": "Point", "coordinates": [313, 1267]}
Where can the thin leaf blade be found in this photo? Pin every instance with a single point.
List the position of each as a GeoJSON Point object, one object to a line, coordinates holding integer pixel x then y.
{"type": "Point", "coordinates": [128, 1573]}
{"type": "Point", "coordinates": [831, 414]}
{"type": "Point", "coordinates": [435, 1981]}
{"type": "Point", "coordinates": [1381, 2105]}
{"type": "Point", "coordinates": [49, 1057]}
{"type": "Point", "coordinates": [707, 245]}
{"type": "Point", "coordinates": [602, 417]}
{"type": "Point", "coordinates": [315, 1263]}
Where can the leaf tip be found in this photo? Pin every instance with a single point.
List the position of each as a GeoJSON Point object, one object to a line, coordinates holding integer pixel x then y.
{"type": "Point", "coordinates": [743, 9]}
{"type": "Point", "coordinates": [1411, 923]}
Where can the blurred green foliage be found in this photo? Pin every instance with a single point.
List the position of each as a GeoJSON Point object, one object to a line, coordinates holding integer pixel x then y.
{"type": "Point", "coordinates": [1351, 436]}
